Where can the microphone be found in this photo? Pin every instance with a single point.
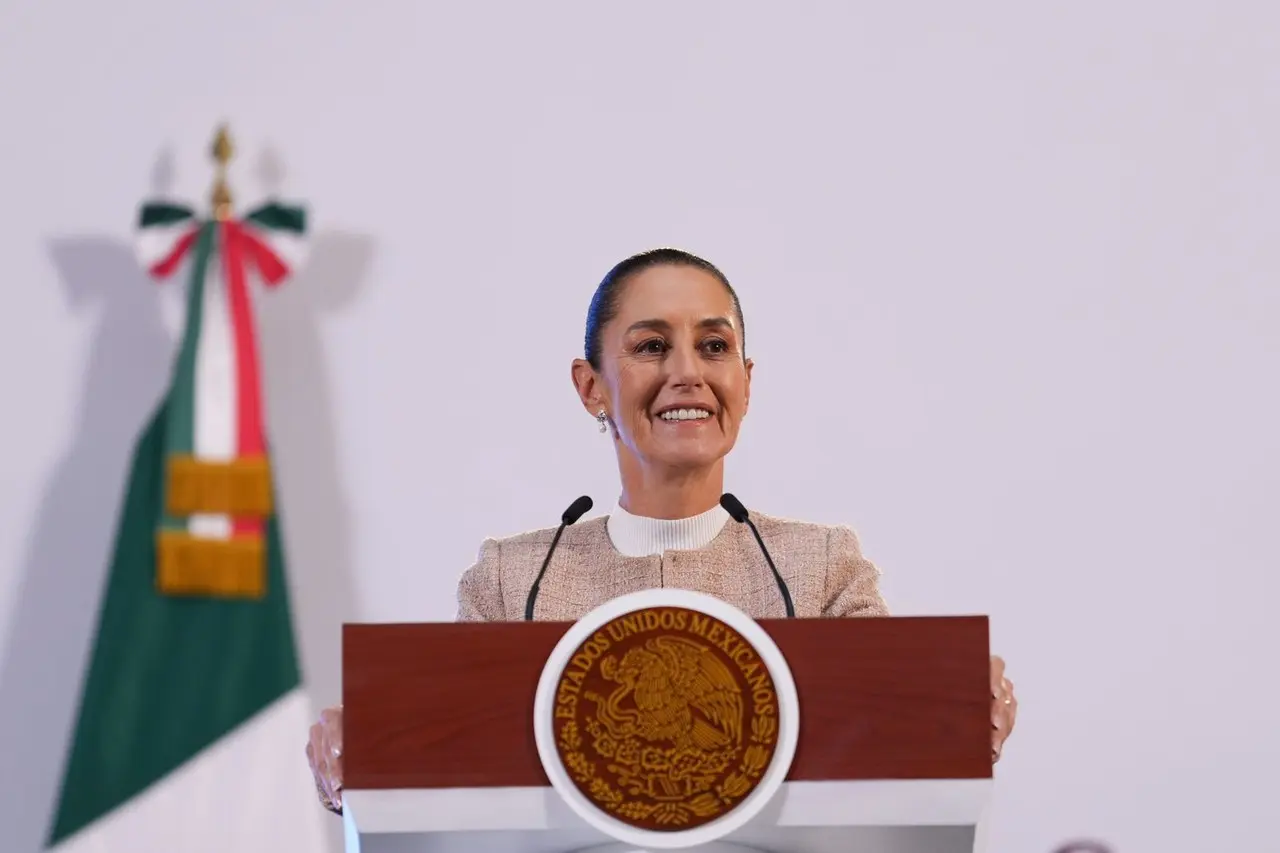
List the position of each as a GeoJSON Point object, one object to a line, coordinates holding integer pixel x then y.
{"type": "Point", "coordinates": [576, 510]}
{"type": "Point", "coordinates": [738, 512]}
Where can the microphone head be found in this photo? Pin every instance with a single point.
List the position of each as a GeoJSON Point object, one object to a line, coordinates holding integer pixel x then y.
{"type": "Point", "coordinates": [734, 507]}
{"type": "Point", "coordinates": [576, 510]}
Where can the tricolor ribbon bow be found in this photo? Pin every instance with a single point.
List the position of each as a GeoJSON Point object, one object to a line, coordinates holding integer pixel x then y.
{"type": "Point", "coordinates": [217, 487]}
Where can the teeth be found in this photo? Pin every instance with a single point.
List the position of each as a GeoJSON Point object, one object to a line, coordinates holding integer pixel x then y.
{"type": "Point", "coordinates": [685, 415]}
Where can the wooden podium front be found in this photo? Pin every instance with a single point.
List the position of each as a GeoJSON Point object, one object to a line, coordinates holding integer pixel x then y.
{"type": "Point", "coordinates": [893, 751]}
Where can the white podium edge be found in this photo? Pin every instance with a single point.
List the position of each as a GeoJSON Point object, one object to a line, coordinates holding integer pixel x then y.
{"type": "Point", "coordinates": [893, 802]}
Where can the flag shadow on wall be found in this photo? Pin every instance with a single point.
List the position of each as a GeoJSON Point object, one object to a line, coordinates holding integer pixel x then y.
{"type": "Point", "coordinates": [70, 544]}
{"type": "Point", "coordinates": [316, 517]}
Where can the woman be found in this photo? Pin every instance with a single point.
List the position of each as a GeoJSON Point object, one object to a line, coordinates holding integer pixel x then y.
{"type": "Point", "coordinates": [666, 376]}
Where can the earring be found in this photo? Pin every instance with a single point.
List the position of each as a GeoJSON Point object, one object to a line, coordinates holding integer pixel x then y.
{"type": "Point", "coordinates": [603, 420]}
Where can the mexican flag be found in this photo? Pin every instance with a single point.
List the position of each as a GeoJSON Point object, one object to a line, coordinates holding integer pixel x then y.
{"type": "Point", "coordinates": [194, 634]}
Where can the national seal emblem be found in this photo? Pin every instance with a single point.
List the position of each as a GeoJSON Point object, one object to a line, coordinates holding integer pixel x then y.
{"type": "Point", "coordinates": [665, 717]}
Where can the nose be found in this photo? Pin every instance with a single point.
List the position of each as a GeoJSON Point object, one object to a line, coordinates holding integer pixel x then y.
{"type": "Point", "coordinates": [684, 367]}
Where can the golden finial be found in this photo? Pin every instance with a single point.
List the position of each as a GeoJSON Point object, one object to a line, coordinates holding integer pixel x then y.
{"type": "Point", "coordinates": [222, 153]}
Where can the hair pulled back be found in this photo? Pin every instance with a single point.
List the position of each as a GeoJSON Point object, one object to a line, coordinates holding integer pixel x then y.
{"type": "Point", "coordinates": [604, 303]}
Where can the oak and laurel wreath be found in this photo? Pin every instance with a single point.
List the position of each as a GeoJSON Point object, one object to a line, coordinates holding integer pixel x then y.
{"type": "Point", "coordinates": [754, 760]}
{"type": "Point", "coordinates": [583, 770]}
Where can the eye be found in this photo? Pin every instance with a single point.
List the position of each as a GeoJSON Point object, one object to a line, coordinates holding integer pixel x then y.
{"type": "Point", "coordinates": [653, 346]}
{"type": "Point", "coordinates": [716, 346]}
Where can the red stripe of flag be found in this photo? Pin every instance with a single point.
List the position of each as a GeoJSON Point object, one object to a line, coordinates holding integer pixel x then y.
{"type": "Point", "coordinates": [249, 438]}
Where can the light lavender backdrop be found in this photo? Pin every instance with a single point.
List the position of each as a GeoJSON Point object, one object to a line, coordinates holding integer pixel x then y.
{"type": "Point", "coordinates": [1010, 280]}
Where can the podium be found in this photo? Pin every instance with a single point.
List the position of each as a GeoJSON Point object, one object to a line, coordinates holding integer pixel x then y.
{"type": "Point", "coordinates": [890, 716]}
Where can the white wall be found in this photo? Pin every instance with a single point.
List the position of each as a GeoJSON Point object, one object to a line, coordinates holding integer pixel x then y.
{"type": "Point", "coordinates": [1010, 280]}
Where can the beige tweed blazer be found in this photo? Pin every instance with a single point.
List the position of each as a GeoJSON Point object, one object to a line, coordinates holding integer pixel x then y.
{"type": "Point", "coordinates": [822, 565]}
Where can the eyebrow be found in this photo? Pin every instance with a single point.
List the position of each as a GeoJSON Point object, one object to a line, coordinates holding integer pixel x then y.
{"type": "Point", "coordinates": [664, 326]}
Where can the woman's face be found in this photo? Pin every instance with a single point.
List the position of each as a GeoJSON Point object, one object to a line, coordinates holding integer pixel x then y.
{"type": "Point", "coordinates": [672, 377]}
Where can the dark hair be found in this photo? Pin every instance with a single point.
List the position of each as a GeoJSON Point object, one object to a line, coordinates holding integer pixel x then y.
{"type": "Point", "coordinates": [604, 304]}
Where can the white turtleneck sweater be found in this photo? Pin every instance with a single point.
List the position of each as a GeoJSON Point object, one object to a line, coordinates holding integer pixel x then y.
{"type": "Point", "coordinates": [637, 536]}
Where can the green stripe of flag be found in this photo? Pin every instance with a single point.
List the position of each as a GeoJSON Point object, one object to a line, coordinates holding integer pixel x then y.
{"type": "Point", "coordinates": [180, 431]}
{"type": "Point", "coordinates": [167, 677]}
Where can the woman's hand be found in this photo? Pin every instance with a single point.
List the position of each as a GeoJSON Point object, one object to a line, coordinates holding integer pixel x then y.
{"type": "Point", "coordinates": [1004, 707]}
{"type": "Point", "coordinates": [324, 753]}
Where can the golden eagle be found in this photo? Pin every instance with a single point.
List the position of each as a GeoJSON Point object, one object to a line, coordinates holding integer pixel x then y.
{"type": "Point", "coordinates": [680, 693]}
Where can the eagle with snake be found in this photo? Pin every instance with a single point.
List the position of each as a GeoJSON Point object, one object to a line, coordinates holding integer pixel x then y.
{"type": "Point", "coordinates": [679, 692]}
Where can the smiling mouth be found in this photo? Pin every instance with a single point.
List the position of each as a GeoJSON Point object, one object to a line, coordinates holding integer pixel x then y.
{"type": "Point", "coordinates": [685, 415]}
